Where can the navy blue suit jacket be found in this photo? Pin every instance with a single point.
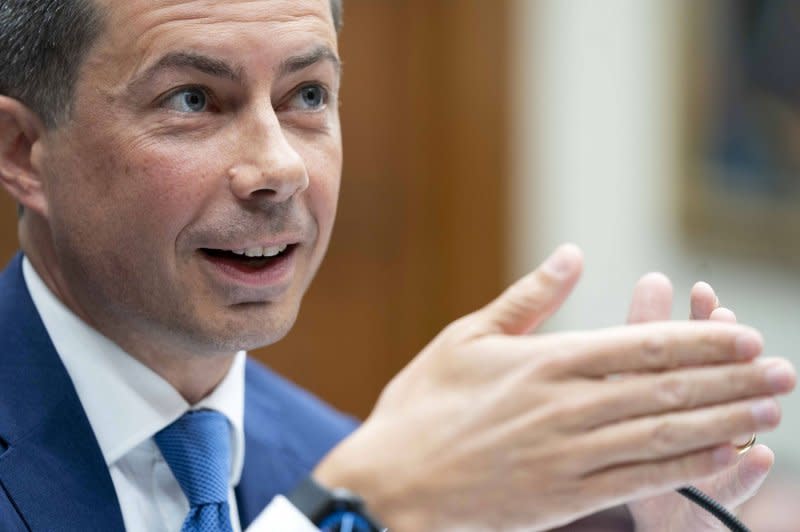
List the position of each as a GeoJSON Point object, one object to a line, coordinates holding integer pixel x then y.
{"type": "Point", "coordinates": [52, 473]}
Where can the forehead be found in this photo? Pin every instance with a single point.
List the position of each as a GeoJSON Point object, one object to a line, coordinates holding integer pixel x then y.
{"type": "Point", "coordinates": [138, 30]}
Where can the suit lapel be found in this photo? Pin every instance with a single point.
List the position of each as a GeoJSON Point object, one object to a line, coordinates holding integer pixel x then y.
{"type": "Point", "coordinates": [269, 469]}
{"type": "Point", "coordinates": [287, 432]}
{"type": "Point", "coordinates": [53, 468]}
{"type": "Point", "coordinates": [258, 483]}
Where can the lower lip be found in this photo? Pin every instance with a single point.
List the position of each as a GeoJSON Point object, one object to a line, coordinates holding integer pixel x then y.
{"type": "Point", "coordinates": [277, 273]}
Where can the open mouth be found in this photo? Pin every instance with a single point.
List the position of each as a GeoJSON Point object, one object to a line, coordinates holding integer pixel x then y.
{"type": "Point", "coordinates": [252, 259]}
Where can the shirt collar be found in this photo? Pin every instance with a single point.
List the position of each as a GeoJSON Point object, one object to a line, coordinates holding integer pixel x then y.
{"type": "Point", "coordinates": [126, 402]}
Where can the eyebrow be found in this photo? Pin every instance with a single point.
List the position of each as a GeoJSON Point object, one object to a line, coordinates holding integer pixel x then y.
{"type": "Point", "coordinates": [203, 63]}
{"type": "Point", "coordinates": [221, 69]}
{"type": "Point", "coordinates": [299, 62]}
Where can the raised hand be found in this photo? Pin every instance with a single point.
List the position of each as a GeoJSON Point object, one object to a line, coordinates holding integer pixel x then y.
{"type": "Point", "coordinates": [490, 429]}
{"type": "Point", "coordinates": [733, 486]}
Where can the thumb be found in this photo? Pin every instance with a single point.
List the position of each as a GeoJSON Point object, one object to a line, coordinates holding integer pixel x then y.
{"type": "Point", "coordinates": [534, 298]}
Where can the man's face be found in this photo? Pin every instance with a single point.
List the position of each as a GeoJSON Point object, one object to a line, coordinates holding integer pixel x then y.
{"type": "Point", "coordinates": [200, 129]}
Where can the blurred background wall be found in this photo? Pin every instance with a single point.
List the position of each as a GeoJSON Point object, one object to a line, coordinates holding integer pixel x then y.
{"type": "Point", "coordinates": [479, 135]}
{"type": "Point", "coordinates": [600, 121]}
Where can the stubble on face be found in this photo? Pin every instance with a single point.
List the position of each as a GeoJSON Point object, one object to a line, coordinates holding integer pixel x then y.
{"type": "Point", "coordinates": [135, 191]}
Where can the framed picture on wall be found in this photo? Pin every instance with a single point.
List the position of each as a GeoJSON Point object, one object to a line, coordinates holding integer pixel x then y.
{"type": "Point", "coordinates": [741, 189]}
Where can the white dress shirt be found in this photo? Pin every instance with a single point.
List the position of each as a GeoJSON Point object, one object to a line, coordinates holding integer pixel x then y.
{"type": "Point", "coordinates": [127, 404]}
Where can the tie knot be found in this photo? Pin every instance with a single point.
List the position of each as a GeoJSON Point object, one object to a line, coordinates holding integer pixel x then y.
{"type": "Point", "coordinates": [197, 448]}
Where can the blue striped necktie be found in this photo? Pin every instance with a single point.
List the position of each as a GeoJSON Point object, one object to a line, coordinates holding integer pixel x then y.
{"type": "Point", "coordinates": [197, 448]}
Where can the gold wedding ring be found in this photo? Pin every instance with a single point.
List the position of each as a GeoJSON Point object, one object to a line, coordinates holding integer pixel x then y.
{"type": "Point", "coordinates": [741, 449]}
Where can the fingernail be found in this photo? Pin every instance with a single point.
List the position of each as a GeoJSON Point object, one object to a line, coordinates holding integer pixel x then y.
{"type": "Point", "coordinates": [723, 456]}
{"type": "Point", "coordinates": [560, 263]}
{"type": "Point", "coordinates": [765, 412]}
{"type": "Point", "coordinates": [779, 376]}
{"type": "Point", "coordinates": [748, 345]}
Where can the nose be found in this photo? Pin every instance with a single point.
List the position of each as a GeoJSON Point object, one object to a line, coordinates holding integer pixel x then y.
{"type": "Point", "coordinates": [274, 171]}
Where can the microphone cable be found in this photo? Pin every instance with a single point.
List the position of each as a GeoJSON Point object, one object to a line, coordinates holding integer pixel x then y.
{"type": "Point", "coordinates": [713, 507]}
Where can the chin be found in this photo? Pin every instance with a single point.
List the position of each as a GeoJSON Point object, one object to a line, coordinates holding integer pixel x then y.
{"type": "Point", "coordinates": [256, 340]}
{"type": "Point", "coordinates": [250, 331]}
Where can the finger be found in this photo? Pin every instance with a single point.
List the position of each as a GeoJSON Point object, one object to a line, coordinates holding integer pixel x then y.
{"type": "Point", "coordinates": [723, 314]}
{"type": "Point", "coordinates": [645, 347]}
{"type": "Point", "coordinates": [735, 485]}
{"type": "Point", "coordinates": [686, 389]}
{"type": "Point", "coordinates": [532, 299]}
{"type": "Point", "coordinates": [658, 438]}
{"type": "Point", "coordinates": [702, 301]}
{"type": "Point", "coordinates": [743, 440]}
{"type": "Point", "coordinates": [642, 480]}
{"type": "Point", "coordinates": [652, 299]}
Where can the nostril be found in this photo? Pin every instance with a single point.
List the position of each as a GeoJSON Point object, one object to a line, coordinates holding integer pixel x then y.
{"type": "Point", "coordinates": [264, 193]}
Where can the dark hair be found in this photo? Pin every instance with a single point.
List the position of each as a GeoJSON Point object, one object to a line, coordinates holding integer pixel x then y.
{"type": "Point", "coordinates": [42, 45]}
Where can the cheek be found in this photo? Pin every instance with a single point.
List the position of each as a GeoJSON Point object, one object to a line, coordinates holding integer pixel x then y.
{"type": "Point", "coordinates": [324, 196]}
{"type": "Point", "coordinates": [166, 189]}
{"type": "Point", "coordinates": [324, 166]}
{"type": "Point", "coordinates": [133, 206]}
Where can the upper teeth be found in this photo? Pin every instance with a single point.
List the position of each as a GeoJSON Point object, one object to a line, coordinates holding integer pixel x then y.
{"type": "Point", "coordinates": [262, 252]}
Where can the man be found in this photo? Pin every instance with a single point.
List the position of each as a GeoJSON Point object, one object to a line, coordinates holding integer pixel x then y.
{"type": "Point", "coordinates": [178, 164]}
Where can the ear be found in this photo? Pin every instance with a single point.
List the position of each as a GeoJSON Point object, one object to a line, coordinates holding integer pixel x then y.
{"type": "Point", "coordinates": [20, 132]}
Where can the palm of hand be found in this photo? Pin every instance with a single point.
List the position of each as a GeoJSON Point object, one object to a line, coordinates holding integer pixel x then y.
{"type": "Point", "coordinates": [731, 487]}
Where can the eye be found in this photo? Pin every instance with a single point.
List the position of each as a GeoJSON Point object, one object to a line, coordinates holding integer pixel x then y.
{"type": "Point", "coordinates": [310, 98]}
{"type": "Point", "coordinates": [187, 100]}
